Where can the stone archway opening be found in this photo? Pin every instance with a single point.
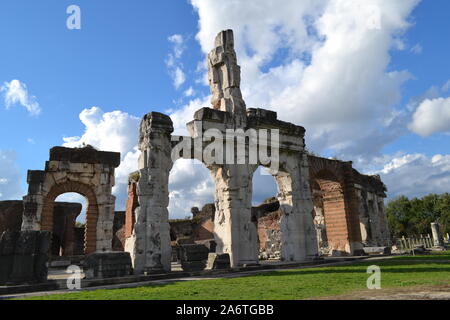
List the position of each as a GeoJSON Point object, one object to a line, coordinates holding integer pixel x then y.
{"type": "Point", "coordinates": [49, 217]}
{"type": "Point", "coordinates": [191, 207]}
{"type": "Point", "coordinates": [69, 224]}
{"type": "Point", "coordinates": [190, 185]}
{"type": "Point", "coordinates": [330, 213]}
{"type": "Point", "coordinates": [266, 215]}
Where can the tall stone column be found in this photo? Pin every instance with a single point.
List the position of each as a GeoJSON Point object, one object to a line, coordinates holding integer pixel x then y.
{"type": "Point", "coordinates": [437, 235]}
{"type": "Point", "coordinates": [298, 234]}
{"type": "Point", "coordinates": [149, 245]}
{"type": "Point", "coordinates": [234, 231]}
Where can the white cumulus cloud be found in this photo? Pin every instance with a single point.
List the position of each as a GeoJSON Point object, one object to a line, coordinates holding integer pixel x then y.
{"type": "Point", "coordinates": [173, 62]}
{"type": "Point", "coordinates": [320, 64]}
{"type": "Point", "coordinates": [431, 116]}
{"type": "Point", "coordinates": [111, 131]}
{"type": "Point", "coordinates": [416, 175]}
{"type": "Point", "coordinates": [16, 92]}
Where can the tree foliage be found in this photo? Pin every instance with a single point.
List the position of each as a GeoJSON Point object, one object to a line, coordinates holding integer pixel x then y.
{"type": "Point", "coordinates": [413, 217]}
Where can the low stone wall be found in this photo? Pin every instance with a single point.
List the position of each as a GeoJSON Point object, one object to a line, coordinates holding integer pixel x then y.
{"type": "Point", "coordinates": [24, 257]}
{"type": "Point", "coordinates": [107, 265]}
{"type": "Point", "coordinates": [193, 257]}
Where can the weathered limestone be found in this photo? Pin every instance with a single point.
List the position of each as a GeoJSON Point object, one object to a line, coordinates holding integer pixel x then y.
{"type": "Point", "coordinates": [438, 240]}
{"type": "Point", "coordinates": [218, 261]}
{"type": "Point", "coordinates": [234, 231]}
{"type": "Point", "coordinates": [149, 244]}
{"type": "Point", "coordinates": [377, 250]}
{"type": "Point", "coordinates": [298, 234]}
{"type": "Point", "coordinates": [373, 221]}
{"type": "Point", "coordinates": [224, 77]}
{"type": "Point", "coordinates": [82, 170]}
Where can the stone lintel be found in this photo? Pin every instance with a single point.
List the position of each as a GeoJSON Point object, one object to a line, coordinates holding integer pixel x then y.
{"type": "Point", "coordinates": [262, 114]}
{"type": "Point", "coordinates": [266, 119]}
{"type": "Point", "coordinates": [213, 115]}
{"type": "Point", "coordinates": [85, 155]}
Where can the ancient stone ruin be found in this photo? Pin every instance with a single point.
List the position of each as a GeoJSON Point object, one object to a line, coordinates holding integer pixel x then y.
{"type": "Point", "coordinates": [85, 171]}
{"type": "Point", "coordinates": [323, 206]}
{"type": "Point", "coordinates": [234, 231]}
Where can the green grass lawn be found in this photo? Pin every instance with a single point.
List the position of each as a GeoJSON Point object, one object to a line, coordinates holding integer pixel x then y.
{"type": "Point", "coordinates": [287, 284]}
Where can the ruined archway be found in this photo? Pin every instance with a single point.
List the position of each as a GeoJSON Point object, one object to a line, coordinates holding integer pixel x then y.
{"type": "Point", "coordinates": [266, 215]}
{"type": "Point", "coordinates": [334, 210]}
{"type": "Point", "coordinates": [90, 237]}
{"type": "Point", "coordinates": [68, 236]}
{"type": "Point", "coordinates": [232, 172]}
{"type": "Point", "coordinates": [85, 171]}
{"type": "Point", "coordinates": [336, 205]}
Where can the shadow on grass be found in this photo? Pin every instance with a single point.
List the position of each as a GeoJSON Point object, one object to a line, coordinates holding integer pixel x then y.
{"type": "Point", "coordinates": [390, 270]}
{"type": "Point", "coordinates": [393, 266]}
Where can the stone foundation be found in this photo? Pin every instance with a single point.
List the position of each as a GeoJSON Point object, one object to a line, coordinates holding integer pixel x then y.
{"type": "Point", "coordinates": [107, 265]}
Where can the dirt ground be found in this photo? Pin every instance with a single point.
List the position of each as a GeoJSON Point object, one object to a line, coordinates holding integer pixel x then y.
{"type": "Point", "coordinates": [440, 292]}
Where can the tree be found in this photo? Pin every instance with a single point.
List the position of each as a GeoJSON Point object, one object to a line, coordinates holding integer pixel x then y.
{"type": "Point", "coordinates": [413, 217]}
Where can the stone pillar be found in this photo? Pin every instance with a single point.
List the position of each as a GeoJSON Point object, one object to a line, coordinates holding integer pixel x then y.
{"type": "Point", "coordinates": [105, 223]}
{"type": "Point", "coordinates": [224, 77]}
{"type": "Point", "coordinates": [437, 235]}
{"type": "Point", "coordinates": [298, 234]}
{"type": "Point", "coordinates": [234, 232]}
{"type": "Point", "coordinates": [355, 246]}
{"type": "Point", "coordinates": [33, 202]}
{"type": "Point", "coordinates": [149, 244]}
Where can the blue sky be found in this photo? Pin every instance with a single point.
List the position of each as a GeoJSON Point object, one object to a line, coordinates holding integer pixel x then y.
{"type": "Point", "coordinates": [126, 54]}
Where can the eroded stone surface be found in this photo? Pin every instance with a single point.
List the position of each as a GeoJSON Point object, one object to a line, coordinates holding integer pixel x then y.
{"type": "Point", "coordinates": [337, 217]}
{"type": "Point", "coordinates": [81, 170]}
{"type": "Point", "coordinates": [24, 256]}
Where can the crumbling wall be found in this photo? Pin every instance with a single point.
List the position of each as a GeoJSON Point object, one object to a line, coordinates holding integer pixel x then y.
{"type": "Point", "coordinates": [64, 240]}
{"type": "Point", "coordinates": [371, 193]}
{"type": "Point", "coordinates": [10, 215]}
{"type": "Point", "coordinates": [203, 228]}
{"type": "Point", "coordinates": [235, 232]}
{"type": "Point", "coordinates": [24, 257]}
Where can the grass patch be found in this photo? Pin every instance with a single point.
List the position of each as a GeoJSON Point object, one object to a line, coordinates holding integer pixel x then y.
{"type": "Point", "coordinates": [285, 284]}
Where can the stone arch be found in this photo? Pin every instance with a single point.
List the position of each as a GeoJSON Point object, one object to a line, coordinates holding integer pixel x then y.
{"type": "Point", "coordinates": [332, 181]}
{"type": "Point", "coordinates": [91, 212]}
{"type": "Point", "coordinates": [86, 171]}
{"type": "Point", "coordinates": [298, 235]}
{"type": "Point", "coordinates": [334, 210]}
